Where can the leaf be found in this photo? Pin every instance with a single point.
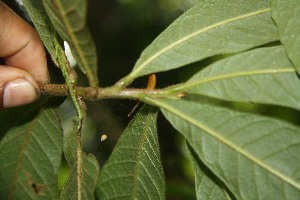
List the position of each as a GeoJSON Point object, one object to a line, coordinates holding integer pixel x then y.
{"type": "Point", "coordinates": [208, 186]}
{"type": "Point", "coordinates": [256, 157]}
{"type": "Point", "coordinates": [286, 15]}
{"type": "Point", "coordinates": [30, 151]}
{"type": "Point", "coordinates": [134, 170]}
{"type": "Point", "coordinates": [42, 23]}
{"type": "Point", "coordinates": [84, 169]}
{"type": "Point", "coordinates": [209, 28]}
{"type": "Point", "coordinates": [69, 20]}
{"type": "Point", "coordinates": [262, 75]}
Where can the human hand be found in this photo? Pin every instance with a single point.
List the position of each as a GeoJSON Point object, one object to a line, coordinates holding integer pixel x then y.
{"type": "Point", "coordinates": [25, 60]}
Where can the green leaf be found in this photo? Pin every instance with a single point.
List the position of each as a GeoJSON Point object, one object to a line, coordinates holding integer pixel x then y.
{"type": "Point", "coordinates": [134, 170]}
{"type": "Point", "coordinates": [256, 157]}
{"type": "Point", "coordinates": [209, 28]}
{"type": "Point", "coordinates": [42, 23]}
{"type": "Point", "coordinates": [31, 151]}
{"type": "Point", "coordinates": [84, 169]}
{"type": "Point", "coordinates": [69, 20]}
{"type": "Point", "coordinates": [208, 186]}
{"type": "Point", "coordinates": [286, 14]}
{"type": "Point", "coordinates": [262, 76]}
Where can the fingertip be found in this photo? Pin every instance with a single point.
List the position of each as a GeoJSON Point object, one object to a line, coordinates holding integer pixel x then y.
{"type": "Point", "coordinates": [17, 87]}
{"type": "Point", "coordinates": [19, 92]}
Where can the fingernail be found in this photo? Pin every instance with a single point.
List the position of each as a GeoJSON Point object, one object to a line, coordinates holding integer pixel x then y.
{"type": "Point", "coordinates": [19, 92]}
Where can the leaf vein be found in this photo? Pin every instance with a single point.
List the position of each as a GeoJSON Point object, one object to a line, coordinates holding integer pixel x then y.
{"type": "Point", "coordinates": [159, 53]}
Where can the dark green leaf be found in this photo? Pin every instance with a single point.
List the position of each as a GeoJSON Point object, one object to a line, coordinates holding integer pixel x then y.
{"type": "Point", "coordinates": [69, 20]}
{"type": "Point", "coordinates": [42, 23]}
{"type": "Point", "coordinates": [30, 152]}
{"type": "Point", "coordinates": [133, 170]}
{"type": "Point", "coordinates": [208, 186]}
{"type": "Point", "coordinates": [84, 169]}
{"type": "Point", "coordinates": [256, 157]}
{"type": "Point", "coordinates": [286, 14]}
{"type": "Point", "coordinates": [209, 28]}
{"type": "Point", "coordinates": [261, 76]}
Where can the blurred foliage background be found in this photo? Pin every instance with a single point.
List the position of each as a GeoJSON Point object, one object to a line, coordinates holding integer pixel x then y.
{"type": "Point", "coordinates": [121, 30]}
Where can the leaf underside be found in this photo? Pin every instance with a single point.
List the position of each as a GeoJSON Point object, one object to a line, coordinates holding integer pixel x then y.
{"type": "Point", "coordinates": [208, 186]}
{"type": "Point", "coordinates": [198, 34]}
{"type": "Point", "coordinates": [263, 75]}
{"type": "Point", "coordinates": [256, 157]}
{"type": "Point", "coordinates": [69, 20]}
{"type": "Point", "coordinates": [133, 170]}
{"type": "Point", "coordinates": [286, 14]}
{"type": "Point", "coordinates": [43, 25]}
{"type": "Point", "coordinates": [30, 152]}
{"type": "Point", "coordinates": [84, 169]}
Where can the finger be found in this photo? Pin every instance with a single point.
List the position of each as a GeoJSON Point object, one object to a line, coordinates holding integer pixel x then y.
{"type": "Point", "coordinates": [20, 45]}
{"type": "Point", "coordinates": [17, 87]}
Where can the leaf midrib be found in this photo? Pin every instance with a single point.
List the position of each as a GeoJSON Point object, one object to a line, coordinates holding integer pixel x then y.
{"type": "Point", "coordinates": [234, 75]}
{"type": "Point", "coordinates": [21, 155]}
{"type": "Point", "coordinates": [203, 30]}
{"type": "Point", "coordinates": [24, 144]}
{"type": "Point", "coordinates": [79, 155]}
{"type": "Point", "coordinates": [224, 141]}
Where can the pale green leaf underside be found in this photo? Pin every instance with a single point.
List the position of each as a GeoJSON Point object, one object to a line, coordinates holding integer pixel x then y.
{"type": "Point", "coordinates": [42, 23]}
{"type": "Point", "coordinates": [209, 28]}
{"type": "Point", "coordinates": [286, 14]}
{"type": "Point", "coordinates": [256, 157]}
{"type": "Point", "coordinates": [84, 169]}
{"type": "Point", "coordinates": [207, 187]}
{"type": "Point", "coordinates": [30, 153]}
{"type": "Point", "coordinates": [69, 20]}
{"type": "Point", "coordinates": [262, 76]}
{"type": "Point", "coordinates": [134, 170]}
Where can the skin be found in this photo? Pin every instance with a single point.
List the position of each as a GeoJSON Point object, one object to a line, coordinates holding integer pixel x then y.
{"type": "Point", "coordinates": [25, 60]}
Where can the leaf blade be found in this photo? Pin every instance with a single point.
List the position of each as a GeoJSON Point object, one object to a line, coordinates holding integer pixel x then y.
{"type": "Point", "coordinates": [137, 163]}
{"type": "Point", "coordinates": [84, 169]}
{"type": "Point", "coordinates": [286, 15]}
{"type": "Point", "coordinates": [207, 185]}
{"type": "Point", "coordinates": [52, 42]}
{"type": "Point", "coordinates": [262, 75]}
{"type": "Point", "coordinates": [242, 26]}
{"type": "Point", "coordinates": [34, 137]}
{"type": "Point", "coordinates": [43, 25]}
{"type": "Point", "coordinates": [69, 20]}
{"type": "Point", "coordinates": [277, 173]}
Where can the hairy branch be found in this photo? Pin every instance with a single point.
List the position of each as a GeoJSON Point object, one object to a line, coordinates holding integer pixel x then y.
{"type": "Point", "coordinates": [91, 93]}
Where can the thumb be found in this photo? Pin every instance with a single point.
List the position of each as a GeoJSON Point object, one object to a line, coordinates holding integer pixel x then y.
{"type": "Point", "coordinates": [17, 87]}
